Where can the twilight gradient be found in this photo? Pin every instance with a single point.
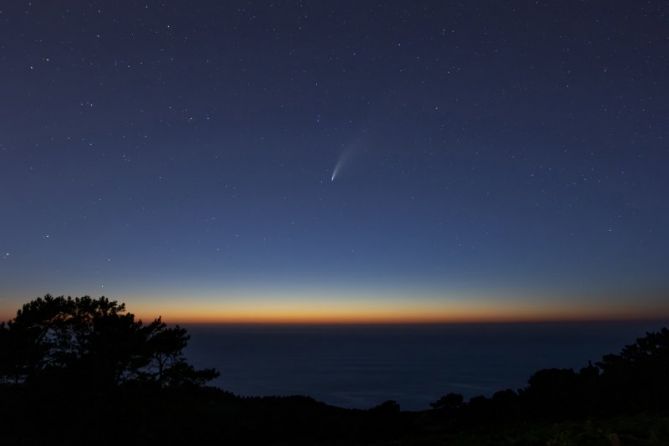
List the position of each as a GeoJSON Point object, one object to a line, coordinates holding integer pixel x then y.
{"type": "Point", "coordinates": [496, 160]}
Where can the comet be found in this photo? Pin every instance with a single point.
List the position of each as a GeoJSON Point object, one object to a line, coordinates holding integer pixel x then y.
{"type": "Point", "coordinates": [341, 162]}
{"type": "Point", "coordinates": [336, 171]}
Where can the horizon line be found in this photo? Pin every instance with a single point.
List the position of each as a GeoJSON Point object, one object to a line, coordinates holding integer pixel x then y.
{"type": "Point", "coordinates": [407, 322]}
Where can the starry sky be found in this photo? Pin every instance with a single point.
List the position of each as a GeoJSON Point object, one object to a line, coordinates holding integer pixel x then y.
{"type": "Point", "coordinates": [337, 161]}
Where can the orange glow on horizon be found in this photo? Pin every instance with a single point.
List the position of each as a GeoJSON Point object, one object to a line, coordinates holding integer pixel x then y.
{"type": "Point", "coordinates": [379, 313]}
{"type": "Point", "coordinates": [366, 310]}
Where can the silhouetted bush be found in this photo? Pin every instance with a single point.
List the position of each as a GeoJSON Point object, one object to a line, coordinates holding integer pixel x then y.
{"type": "Point", "coordinates": [449, 402]}
{"type": "Point", "coordinates": [638, 377]}
{"type": "Point", "coordinates": [635, 380]}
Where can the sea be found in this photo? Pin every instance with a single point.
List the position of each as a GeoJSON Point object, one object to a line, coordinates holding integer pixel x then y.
{"type": "Point", "coordinates": [360, 366]}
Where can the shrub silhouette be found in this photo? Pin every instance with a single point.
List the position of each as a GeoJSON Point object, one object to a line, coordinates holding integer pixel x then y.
{"type": "Point", "coordinates": [448, 402]}
{"type": "Point", "coordinates": [636, 380]}
{"type": "Point", "coordinates": [92, 342]}
{"type": "Point", "coordinates": [638, 376]}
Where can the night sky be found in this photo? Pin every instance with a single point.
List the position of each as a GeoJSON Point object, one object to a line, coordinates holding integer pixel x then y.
{"type": "Point", "coordinates": [308, 161]}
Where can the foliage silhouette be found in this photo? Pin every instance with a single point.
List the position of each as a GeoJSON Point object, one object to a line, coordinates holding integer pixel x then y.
{"type": "Point", "coordinates": [634, 381]}
{"type": "Point", "coordinates": [449, 402]}
{"type": "Point", "coordinates": [92, 342]}
{"type": "Point", "coordinates": [72, 367]}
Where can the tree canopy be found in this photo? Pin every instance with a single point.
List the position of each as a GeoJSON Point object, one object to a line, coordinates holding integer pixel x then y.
{"type": "Point", "coordinates": [93, 342]}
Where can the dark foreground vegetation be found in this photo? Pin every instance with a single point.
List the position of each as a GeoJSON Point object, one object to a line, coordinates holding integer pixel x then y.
{"type": "Point", "coordinates": [84, 371]}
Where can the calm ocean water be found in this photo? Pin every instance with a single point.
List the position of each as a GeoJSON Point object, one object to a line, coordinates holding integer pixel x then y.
{"type": "Point", "coordinates": [361, 366]}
